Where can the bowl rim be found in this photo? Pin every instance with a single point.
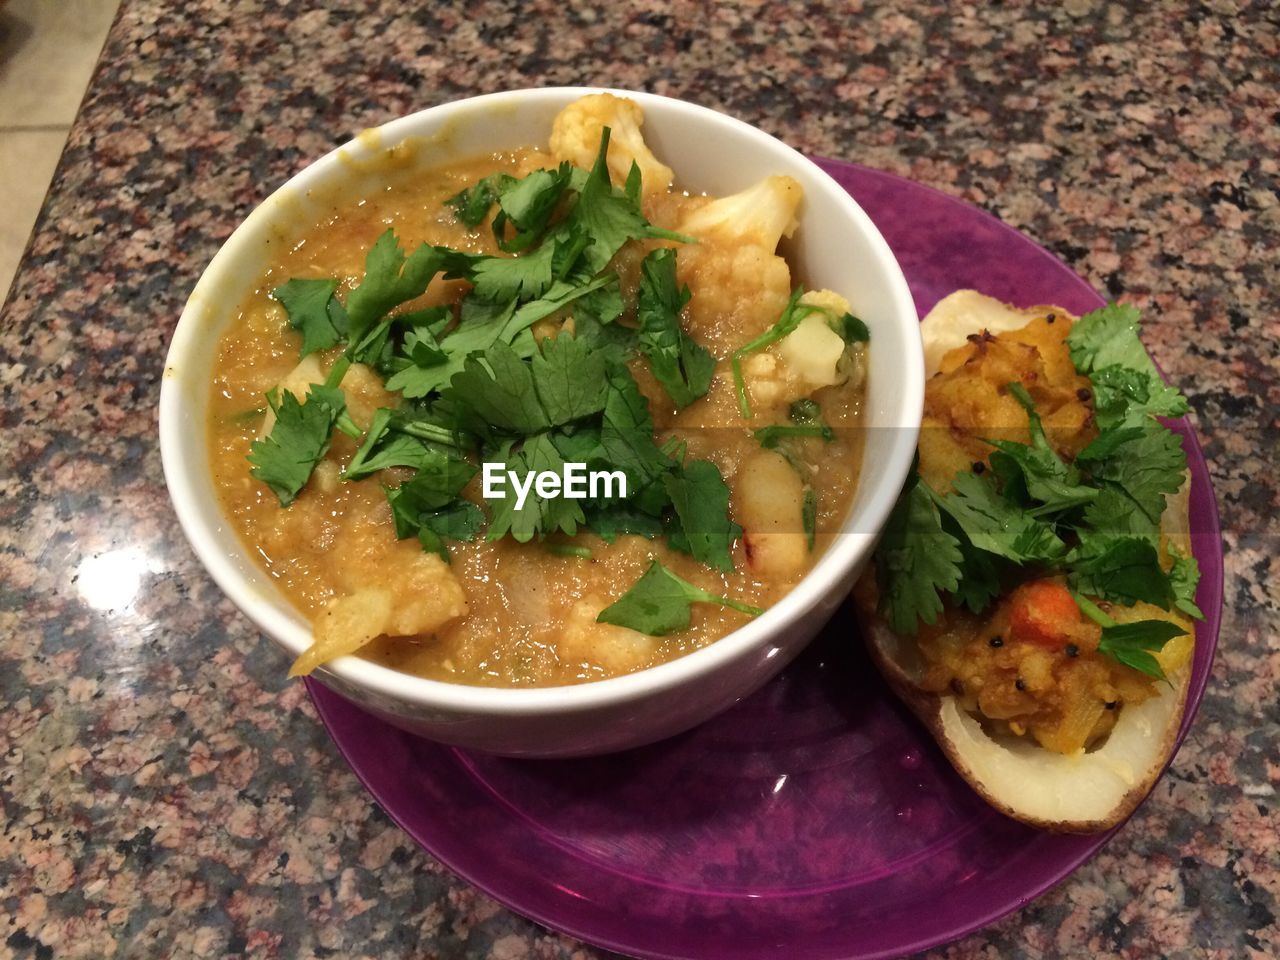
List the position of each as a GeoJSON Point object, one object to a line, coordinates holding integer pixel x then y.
{"type": "Point", "coordinates": [840, 558]}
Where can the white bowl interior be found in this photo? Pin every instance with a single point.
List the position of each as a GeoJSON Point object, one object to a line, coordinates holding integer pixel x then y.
{"type": "Point", "coordinates": [836, 247]}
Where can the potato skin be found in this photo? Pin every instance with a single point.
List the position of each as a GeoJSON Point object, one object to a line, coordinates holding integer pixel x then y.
{"type": "Point", "coordinates": [881, 641]}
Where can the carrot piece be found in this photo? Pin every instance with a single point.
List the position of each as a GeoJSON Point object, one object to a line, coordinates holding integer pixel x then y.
{"type": "Point", "coordinates": [1043, 612]}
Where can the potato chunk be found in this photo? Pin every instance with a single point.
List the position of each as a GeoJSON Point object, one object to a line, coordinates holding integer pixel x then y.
{"type": "Point", "coordinates": [768, 500]}
{"type": "Point", "coordinates": [606, 647]}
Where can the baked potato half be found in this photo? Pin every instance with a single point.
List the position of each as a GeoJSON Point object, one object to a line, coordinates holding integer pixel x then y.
{"type": "Point", "coordinates": [1038, 775]}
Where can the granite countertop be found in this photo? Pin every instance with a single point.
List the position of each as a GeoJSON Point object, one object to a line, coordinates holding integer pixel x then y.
{"type": "Point", "coordinates": [165, 791]}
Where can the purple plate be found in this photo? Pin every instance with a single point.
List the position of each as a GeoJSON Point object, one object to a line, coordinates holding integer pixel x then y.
{"type": "Point", "coordinates": [816, 819]}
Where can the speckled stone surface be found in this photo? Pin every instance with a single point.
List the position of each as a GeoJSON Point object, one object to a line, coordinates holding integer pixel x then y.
{"type": "Point", "coordinates": [164, 791]}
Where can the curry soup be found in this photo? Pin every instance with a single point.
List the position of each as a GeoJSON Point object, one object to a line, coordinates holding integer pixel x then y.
{"type": "Point", "coordinates": [503, 612]}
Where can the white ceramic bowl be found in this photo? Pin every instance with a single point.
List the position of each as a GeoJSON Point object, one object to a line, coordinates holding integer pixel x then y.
{"type": "Point", "coordinates": [837, 247]}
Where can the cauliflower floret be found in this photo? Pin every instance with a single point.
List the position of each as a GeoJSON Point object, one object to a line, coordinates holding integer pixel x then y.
{"type": "Point", "coordinates": [575, 137]}
{"type": "Point", "coordinates": [740, 284]}
{"type": "Point", "coordinates": [738, 291]}
{"type": "Point", "coordinates": [759, 216]}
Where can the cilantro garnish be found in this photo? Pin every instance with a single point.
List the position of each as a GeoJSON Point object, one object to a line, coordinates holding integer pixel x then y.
{"type": "Point", "coordinates": [916, 561]}
{"type": "Point", "coordinates": [701, 501]}
{"type": "Point", "coordinates": [313, 311]}
{"type": "Point", "coordinates": [1046, 478]}
{"type": "Point", "coordinates": [809, 516]}
{"type": "Point", "coordinates": [538, 516]}
{"type": "Point", "coordinates": [472, 204]}
{"type": "Point", "coordinates": [679, 363]}
{"type": "Point", "coordinates": [851, 329]}
{"type": "Point", "coordinates": [284, 459]}
{"type": "Point", "coordinates": [397, 439]}
{"type": "Point", "coordinates": [659, 603]}
{"type": "Point", "coordinates": [1131, 643]}
{"type": "Point", "coordinates": [1146, 462]}
{"type": "Point", "coordinates": [390, 279]}
{"type": "Point", "coordinates": [1095, 519]}
{"type": "Point", "coordinates": [429, 505]}
{"type": "Point", "coordinates": [1106, 348]}
{"type": "Point", "coordinates": [1184, 575]}
{"type": "Point", "coordinates": [1120, 569]}
{"type": "Point", "coordinates": [995, 525]}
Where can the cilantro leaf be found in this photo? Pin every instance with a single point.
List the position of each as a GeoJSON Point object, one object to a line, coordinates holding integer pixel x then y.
{"type": "Point", "coordinates": [390, 280]}
{"type": "Point", "coordinates": [851, 329]}
{"type": "Point", "coordinates": [1184, 577]}
{"type": "Point", "coordinates": [523, 278]}
{"type": "Point", "coordinates": [314, 311]}
{"type": "Point", "coordinates": [1147, 463]}
{"type": "Point", "coordinates": [1109, 337]}
{"type": "Point", "coordinates": [439, 481]}
{"type": "Point", "coordinates": [995, 525]}
{"type": "Point", "coordinates": [626, 433]}
{"type": "Point", "coordinates": [1120, 569]}
{"type": "Point", "coordinates": [1123, 396]}
{"type": "Point", "coordinates": [602, 306]}
{"type": "Point", "coordinates": [792, 314]}
{"type": "Point", "coordinates": [460, 520]}
{"type": "Point", "coordinates": [499, 388]}
{"type": "Point", "coordinates": [659, 603]}
{"type": "Point", "coordinates": [610, 217]}
{"type": "Point", "coordinates": [564, 381]}
{"type": "Point", "coordinates": [299, 438]}
{"type": "Point", "coordinates": [701, 501]}
{"type": "Point", "coordinates": [413, 364]}
{"type": "Point", "coordinates": [916, 560]}
{"type": "Point", "coordinates": [1132, 643]}
{"type": "Point", "coordinates": [1115, 513]}
{"type": "Point", "coordinates": [472, 205]}
{"type": "Point", "coordinates": [980, 572]}
{"type": "Point", "coordinates": [679, 363]}
{"type": "Point", "coordinates": [612, 342]}
{"type": "Point", "coordinates": [1045, 477]}
{"type": "Point", "coordinates": [809, 516]}
{"type": "Point", "coordinates": [396, 439]}
{"type": "Point", "coordinates": [1105, 346]}
{"type": "Point", "coordinates": [560, 295]}
{"type": "Point", "coordinates": [1108, 441]}
{"type": "Point", "coordinates": [569, 378]}
{"type": "Point", "coordinates": [483, 324]}
{"type": "Point", "coordinates": [428, 505]}
{"type": "Point", "coordinates": [772, 436]}
{"type": "Point", "coordinates": [528, 204]}
{"type": "Point", "coordinates": [611, 521]}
